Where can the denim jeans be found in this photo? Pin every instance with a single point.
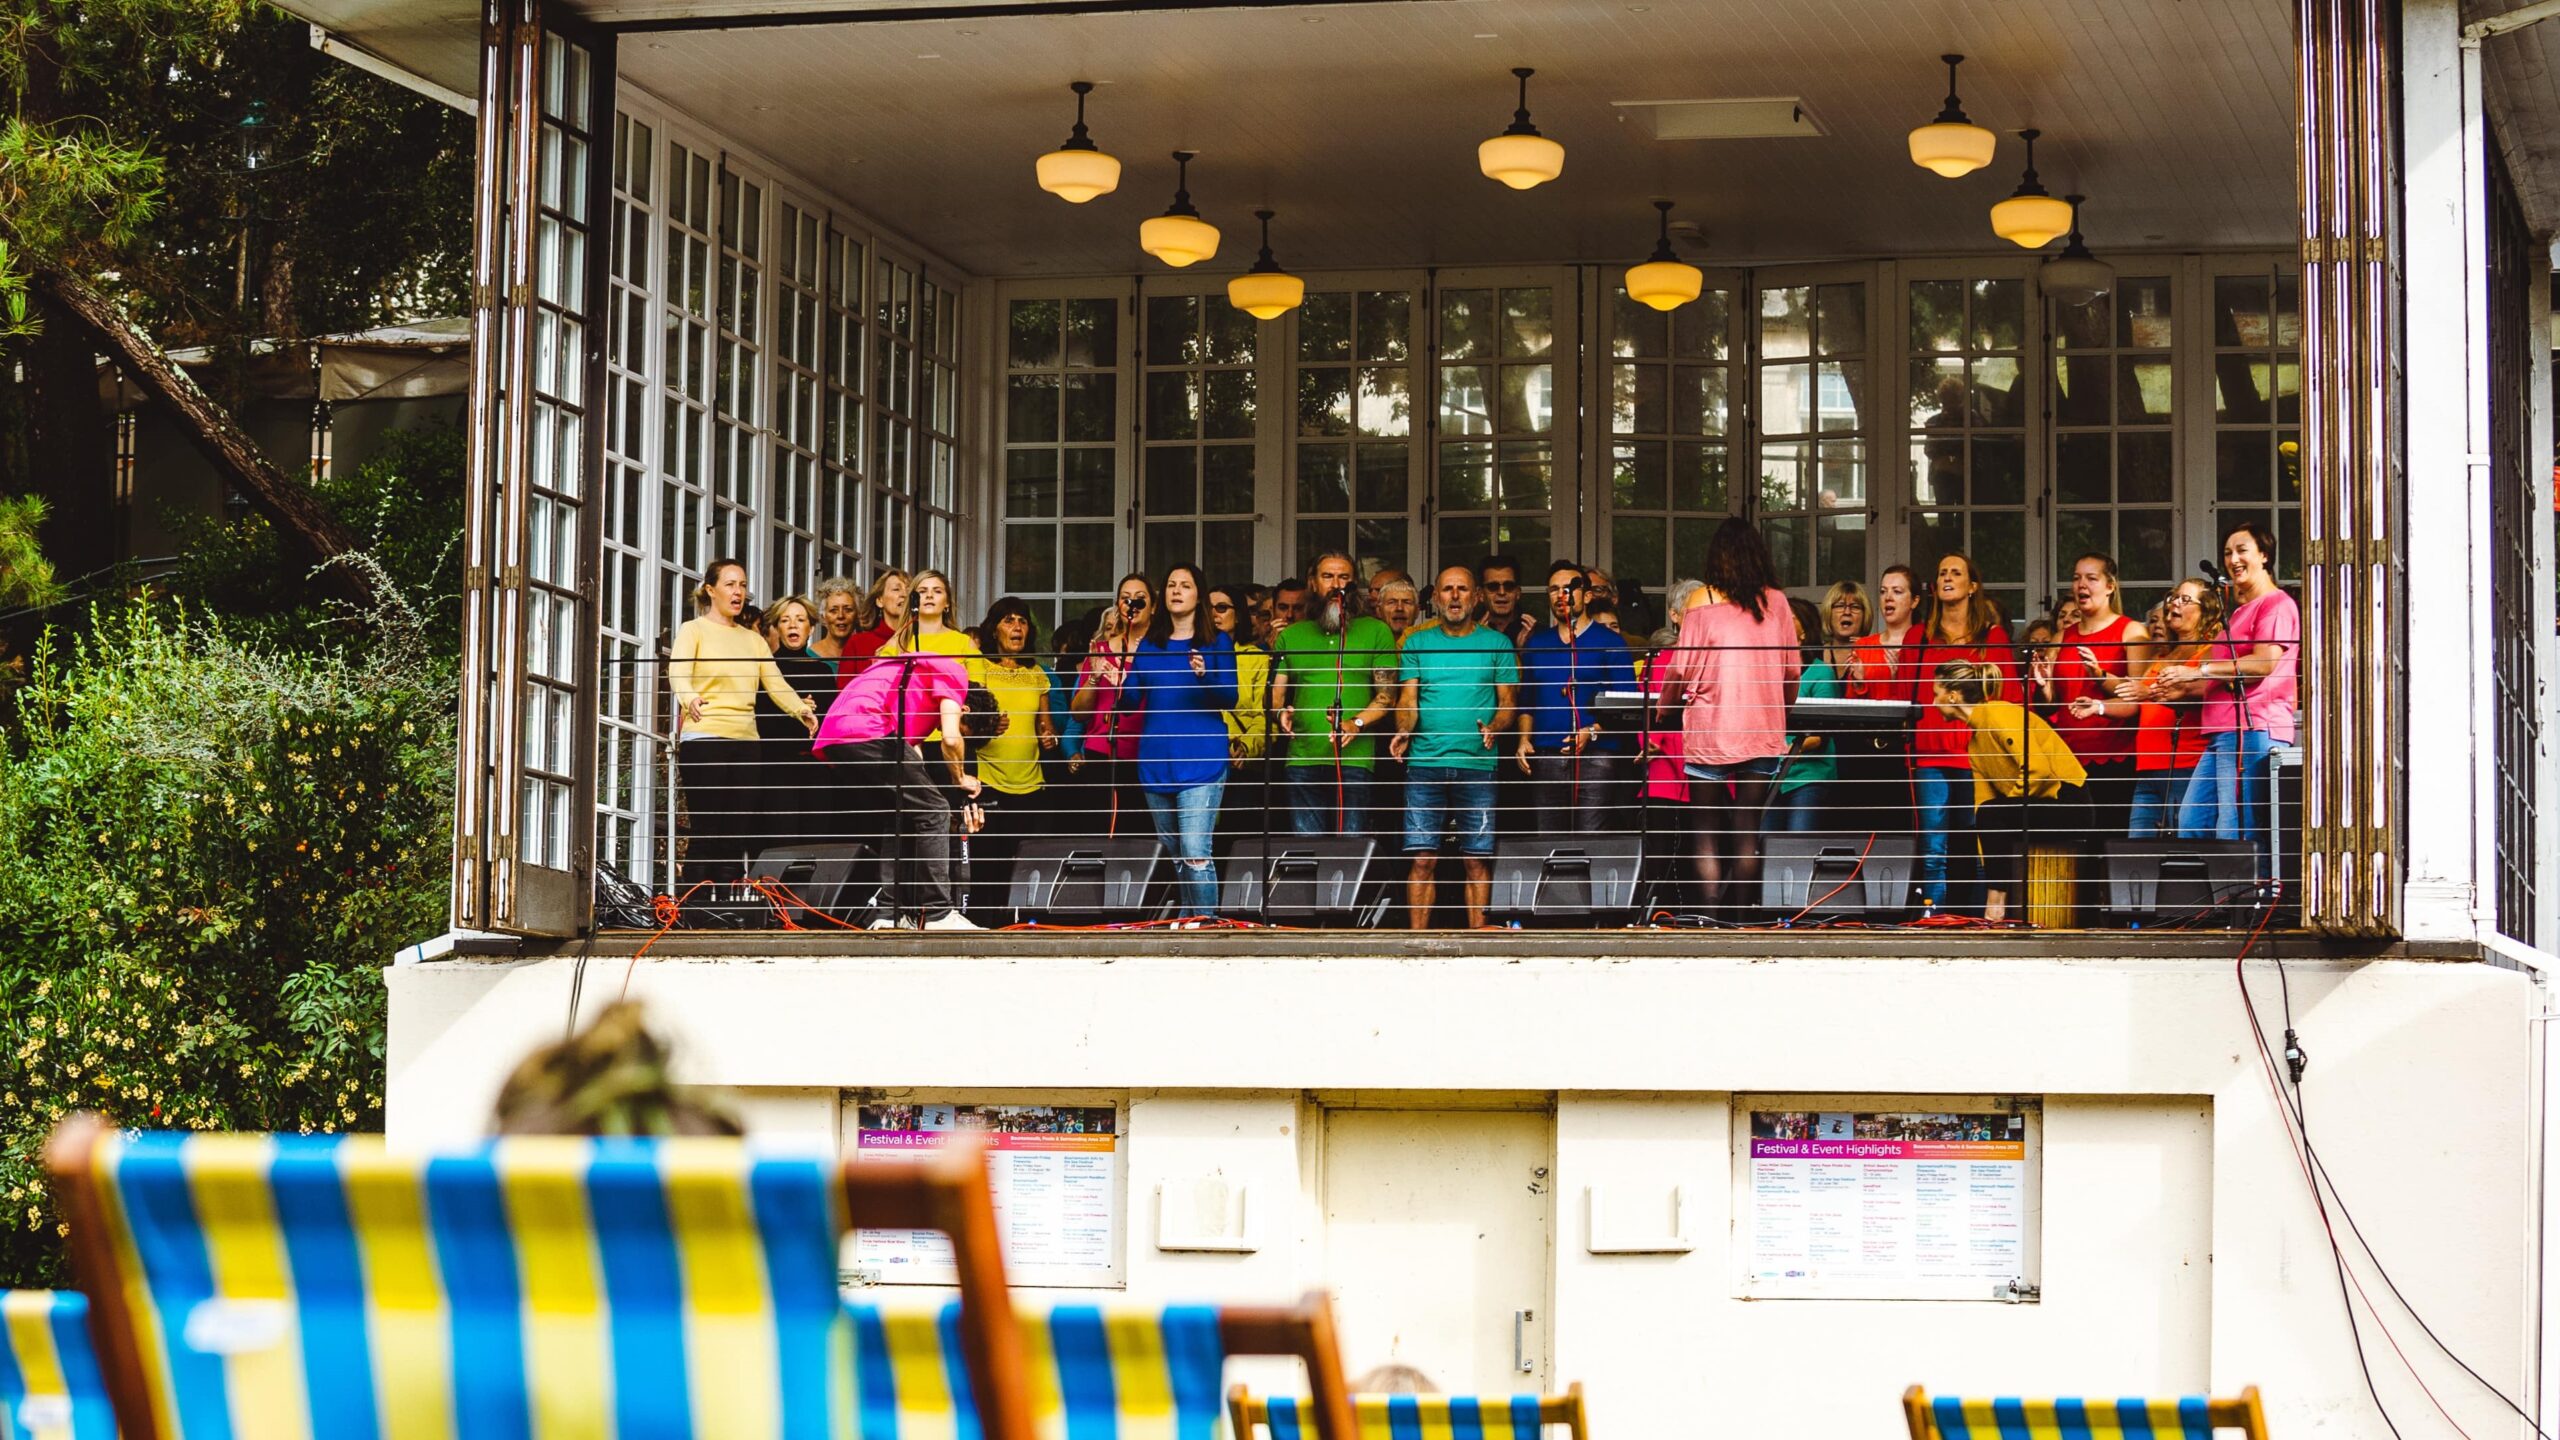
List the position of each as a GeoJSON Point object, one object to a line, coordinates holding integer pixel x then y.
{"type": "Point", "coordinates": [1448, 802]}
{"type": "Point", "coordinates": [1802, 810]}
{"type": "Point", "coordinates": [2155, 804]}
{"type": "Point", "coordinates": [2228, 795]}
{"type": "Point", "coordinates": [1308, 791]}
{"type": "Point", "coordinates": [1934, 795]}
{"type": "Point", "coordinates": [1186, 821]}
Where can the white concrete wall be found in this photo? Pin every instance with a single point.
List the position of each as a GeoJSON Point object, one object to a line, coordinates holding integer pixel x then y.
{"type": "Point", "coordinates": [2179, 1245]}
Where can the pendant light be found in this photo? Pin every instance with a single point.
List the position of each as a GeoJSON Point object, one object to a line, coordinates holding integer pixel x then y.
{"type": "Point", "coordinates": [1520, 157]}
{"type": "Point", "coordinates": [2031, 217]}
{"type": "Point", "coordinates": [1078, 170]}
{"type": "Point", "coordinates": [1179, 237]}
{"type": "Point", "coordinates": [1952, 145]}
{"type": "Point", "coordinates": [1665, 281]}
{"type": "Point", "coordinates": [2076, 277]}
{"type": "Point", "coordinates": [1266, 292]}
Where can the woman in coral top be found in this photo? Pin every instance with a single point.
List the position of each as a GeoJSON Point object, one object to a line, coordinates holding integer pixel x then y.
{"type": "Point", "coordinates": [1962, 624]}
{"type": "Point", "coordinates": [1730, 677]}
{"type": "Point", "coordinates": [2096, 648]}
{"type": "Point", "coordinates": [2168, 735]}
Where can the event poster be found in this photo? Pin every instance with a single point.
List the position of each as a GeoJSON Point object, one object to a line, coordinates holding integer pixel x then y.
{"type": "Point", "coordinates": [1886, 1203]}
{"type": "Point", "coordinates": [1056, 1175]}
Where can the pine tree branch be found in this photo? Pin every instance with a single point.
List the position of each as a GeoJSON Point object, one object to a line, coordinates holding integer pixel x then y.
{"type": "Point", "coordinates": [291, 505]}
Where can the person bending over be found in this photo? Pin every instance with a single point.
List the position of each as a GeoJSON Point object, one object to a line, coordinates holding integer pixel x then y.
{"type": "Point", "coordinates": [875, 734]}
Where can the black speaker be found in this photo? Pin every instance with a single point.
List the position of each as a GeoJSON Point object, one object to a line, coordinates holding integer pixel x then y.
{"type": "Point", "coordinates": [1835, 875]}
{"type": "Point", "coordinates": [1088, 881]}
{"type": "Point", "coordinates": [2168, 881]}
{"type": "Point", "coordinates": [1298, 879]}
{"type": "Point", "coordinates": [1567, 880]}
{"type": "Point", "coordinates": [838, 879]}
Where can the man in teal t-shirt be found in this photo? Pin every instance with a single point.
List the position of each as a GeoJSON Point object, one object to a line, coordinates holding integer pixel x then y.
{"type": "Point", "coordinates": [1332, 681]}
{"type": "Point", "coordinates": [1455, 700]}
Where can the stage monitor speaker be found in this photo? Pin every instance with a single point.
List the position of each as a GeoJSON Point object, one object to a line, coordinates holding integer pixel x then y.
{"type": "Point", "coordinates": [1073, 881]}
{"type": "Point", "coordinates": [2187, 883]}
{"type": "Point", "coordinates": [837, 879]}
{"type": "Point", "coordinates": [1297, 879]}
{"type": "Point", "coordinates": [1817, 876]}
{"type": "Point", "coordinates": [1567, 880]}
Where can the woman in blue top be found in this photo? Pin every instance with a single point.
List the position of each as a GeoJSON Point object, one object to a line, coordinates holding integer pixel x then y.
{"type": "Point", "coordinates": [1184, 675]}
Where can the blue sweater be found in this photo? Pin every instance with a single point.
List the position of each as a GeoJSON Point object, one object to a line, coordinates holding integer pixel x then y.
{"type": "Point", "coordinates": [1561, 683]}
{"type": "Point", "coordinates": [1182, 740]}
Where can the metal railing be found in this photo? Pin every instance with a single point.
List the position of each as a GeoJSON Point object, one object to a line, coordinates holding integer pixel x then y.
{"type": "Point", "coordinates": [1641, 789]}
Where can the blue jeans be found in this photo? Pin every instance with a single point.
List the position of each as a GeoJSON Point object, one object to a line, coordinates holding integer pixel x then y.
{"type": "Point", "coordinates": [1452, 801]}
{"type": "Point", "coordinates": [1186, 820]}
{"type": "Point", "coordinates": [2227, 797]}
{"type": "Point", "coordinates": [1801, 810]}
{"type": "Point", "coordinates": [1308, 791]}
{"type": "Point", "coordinates": [1936, 806]}
{"type": "Point", "coordinates": [2155, 805]}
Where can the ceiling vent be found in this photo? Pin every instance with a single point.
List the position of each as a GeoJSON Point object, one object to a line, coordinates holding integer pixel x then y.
{"type": "Point", "coordinates": [1766, 118]}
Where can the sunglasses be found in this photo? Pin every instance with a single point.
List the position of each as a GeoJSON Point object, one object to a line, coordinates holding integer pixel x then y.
{"type": "Point", "coordinates": [1217, 606]}
{"type": "Point", "coordinates": [1502, 586]}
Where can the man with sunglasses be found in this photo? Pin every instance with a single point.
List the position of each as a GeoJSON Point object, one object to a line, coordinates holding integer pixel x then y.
{"type": "Point", "coordinates": [1503, 612]}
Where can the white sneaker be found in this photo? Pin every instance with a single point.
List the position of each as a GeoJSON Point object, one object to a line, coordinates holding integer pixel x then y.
{"type": "Point", "coordinates": [953, 920]}
{"type": "Point", "coordinates": [888, 922]}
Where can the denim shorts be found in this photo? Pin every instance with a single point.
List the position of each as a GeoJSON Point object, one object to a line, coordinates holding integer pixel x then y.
{"type": "Point", "coordinates": [1448, 801]}
{"type": "Point", "coordinates": [1763, 768]}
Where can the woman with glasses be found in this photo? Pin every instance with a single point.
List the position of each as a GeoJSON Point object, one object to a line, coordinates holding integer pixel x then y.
{"type": "Point", "coordinates": [1806, 796]}
{"type": "Point", "coordinates": [2247, 684]}
{"type": "Point", "coordinates": [2167, 742]}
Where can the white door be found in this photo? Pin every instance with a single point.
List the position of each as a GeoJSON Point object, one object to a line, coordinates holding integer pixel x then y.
{"type": "Point", "coordinates": [1438, 1225]}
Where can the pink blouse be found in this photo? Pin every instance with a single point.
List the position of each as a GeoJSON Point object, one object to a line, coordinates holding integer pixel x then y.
{"type": "Point", "coordinates": [1732, 677]}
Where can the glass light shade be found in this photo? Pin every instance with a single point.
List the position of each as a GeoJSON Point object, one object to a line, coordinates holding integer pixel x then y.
{"type": "Point", "coordinates": [1266, 294]}
{"type": "Point", "coordinates": [2032, 221]}
{"type": "Point", "coordinates": [1520, 161]}
{"type": "Point", "coordinates": [1076, 176]}
{"type": "Point", "coordinates": [1665, 284]}
{"type": "Point", "coordinates": [1178, 240]}
{"type": "Point", "coordinates": [2077, 279]}
{"type": "Point", "coordinates": [1951, 149]}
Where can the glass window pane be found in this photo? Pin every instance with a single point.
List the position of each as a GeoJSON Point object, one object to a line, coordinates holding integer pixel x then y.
{"type": "Point", "coordinates": [1786, 400]}
{"type": "Point", "coordinates": [1466, 476]}
{"type": "Point", "coordinates": [1093, 333]}
{"type": "Point", "coordinates": [1465, 539]}
{"type": "Point", "coordinates": [1466, 402]}
{"type": "Point", "coordinates": [1385, 478]}
{"type": "Point", "coordinates": [1232, 333]}
{"type": "Point", "coordinates": [2240, 310]}
{"type": "Point", "coordinates": [1999, 314]}
{"type": "Point", "coordinates": [1528, 399]}
{"type": "Point", "coordinates": [1840, 327]}
{"type": "Point", "coordinates": [1226, 551]}
{"type": "Point", "coordinates": [1226, 405]}
{"type": "Point", "coordinates": [2082, 327]}
{"type": "Point", "coordinates": [1089, 485]}
{"type": "Point", "coordinates": [1381, 542]}
{"type": "Point", "coordinates": [1324, 327]}
{"type": "Point", "coordinates": [1317, 536]}
{"type": "Point", "coordinates": [1173, 480]}
{"type": "Point", "coordinates": [1786, 322]}
{"type": "Point", "coordinates": [1636, 330]}
{"type": "Point", "coordinates": [2080, 390]}
{"type": "Point", "coordinates": [1466, 324]}
{"type": "Point", "coordinates": [2143, 545]}
{"type": "Point", "coordinates": [2082, 532]}
{"type": "Point", "coordinates": [1033, 330]}
{"type": "Point", "coordinates": [1937, 394]}
{"type": "Point", "coordinates": [1527, 476]}
{"type": "Point", "coordinates": [1637, 475]}
{"type": "Point", "coordinates": [2000, 472]}
{"type": "Point", "coordinates": [1324, 481]}
{"type": "Point", "coordinates": [1170, 543]}
{"type": "Point", "coordinates": [1701, 479]}
{"type": "Point", "coordinates": [1636, 399]}
{"type": "Point", "coordinates": [1386, 404]}
{"type": "Point", "coordinates": [1703, 328]}
{"type": "Point", "coordinates": [1839, 547]}
{"type": "Point", "coordinates": [1636, 545]}
{"type": "Point", "coordinates": [1031, 557]}
{"type": "Point", "coordinates": [1173, 329]}
{"type": "Point", "coordinates": [1842, 393]}
{"type": "Point", "coordinates": [1031, 483]}
{"type": "Point", "coordinates": [2142, 469]}
{"type": "Point", "coordinates": [1324, 401]}
{"type": "Point", "coordinates": [1528, 322]}
{"type": "Point", "coordinates": [1998, 396]}
{"type": "Point", "coordinates": [1092, 405]}
{"type": "Point", "coordinates": [1226, 480]}
{"type": "Point", "coordinates": [1031, 409]}
{"type": "Point", "coordinates": [1790, 547]}
{"type": "Point", "coordinates": [2000, 546]}
{"type": "Point", "coordinates": [1937, 316]}
{"type": "Point", "coordinates": [1786, 476]}
{"type": "Point", "coordinates": [2241, 468]}
{"type": "Point", "coordinates": [2143, 391]}
{"type": "Point", "coordinates": [1386, 326]}
{"type": "Point", "coordinates": [1700, 404]}
{"type": "Point", "coordinates": [2081, 470]}
{"type": "Point", "coordinates": [2143, 320]}
{"type": "Point", "coordinates": [1173, 406]}
{"type": "Point", "coordinates": [1089, 558]}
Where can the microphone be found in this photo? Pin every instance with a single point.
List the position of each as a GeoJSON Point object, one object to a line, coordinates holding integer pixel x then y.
{"type": "Point", "coordinates": [2210, 571]}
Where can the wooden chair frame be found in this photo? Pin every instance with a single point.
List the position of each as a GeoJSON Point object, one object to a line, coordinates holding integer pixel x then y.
{"type": "Point", "coordinates": [945, 1191]}
{"type": "Point", "coordinates": [1305, 1331]}
{"type": "Point", "coordinates": [1244, 1412]}
{"type": "Point", "coordinates": [2241, 1412]}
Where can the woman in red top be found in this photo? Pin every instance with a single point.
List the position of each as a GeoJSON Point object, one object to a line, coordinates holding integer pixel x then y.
{"type": "Point", "coordinates": [889, 611]}
{"type": "Point", "coordinates": [1876, 673]}
{"type": "Point", "coordinates": [1963, 624]}
{"type": "Point", "coordinates": [2096, 648]}
{"type": "Point", "coordinates": [2169, 735]}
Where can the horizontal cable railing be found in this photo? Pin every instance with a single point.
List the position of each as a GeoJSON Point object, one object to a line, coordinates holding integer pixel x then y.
{"type": "Point", "coordinates": [1720, 787]}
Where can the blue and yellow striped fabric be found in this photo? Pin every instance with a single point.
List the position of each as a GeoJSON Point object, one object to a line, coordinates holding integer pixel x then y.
{"type": "Point", "coordinates": [2185, 1418]}
{"type": "Point", "coordinates": [325, 1288]}
{"type": "Point", "coordinates": [1090, 1373]}
{"type": "Point", "coordinates": [1417, 1417]}
{"type": "Point", "coordinates": [49, 1383]}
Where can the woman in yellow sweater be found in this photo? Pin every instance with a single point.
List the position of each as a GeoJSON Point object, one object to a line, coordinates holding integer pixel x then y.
{"type": "Point", "coordinates": [2022, 773]}
{"type": "Point", "coordinates": [714, 671]}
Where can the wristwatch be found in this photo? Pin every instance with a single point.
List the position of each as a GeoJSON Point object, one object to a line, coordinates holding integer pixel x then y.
{"type": "Point", "coordinates": [1359, 722]}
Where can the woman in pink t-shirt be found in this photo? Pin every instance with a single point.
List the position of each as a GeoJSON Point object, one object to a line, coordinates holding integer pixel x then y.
{"type": "Point", "coordinates": [1730, 677]}
{"type": "Point", "coordinates": [2247, 683]}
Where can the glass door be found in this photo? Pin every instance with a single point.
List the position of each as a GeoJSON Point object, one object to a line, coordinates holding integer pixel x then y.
{"type": "Point", "coordinates": [1963, 412]}
{"type": "Point", "coordinates": [1677, 415]}
{"type": "Point", "coordinates": [1815, 385]}
{"type": "Point", "coordinates": [1506, 442]}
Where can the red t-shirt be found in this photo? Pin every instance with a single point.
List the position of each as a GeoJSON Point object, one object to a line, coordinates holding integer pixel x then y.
{"type": "Point", "coordinates": [2090, 664]}
{"type": "Point", "coordinates": [859, 647]}
{"type": "Point", "coordinates": [1939, 743]}
{"type": "Point", "coordinates": [2169, 737]}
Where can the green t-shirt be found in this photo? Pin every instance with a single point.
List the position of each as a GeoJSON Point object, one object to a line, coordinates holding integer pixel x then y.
{"type": "Point", "coordinates": [1458, 673]}
{"type": "Point", "coordinates": [1310, 659]}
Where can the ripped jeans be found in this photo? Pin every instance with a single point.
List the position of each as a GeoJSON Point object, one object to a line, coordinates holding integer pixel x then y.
{"type": "Point", "coordinates": [1186, 824]}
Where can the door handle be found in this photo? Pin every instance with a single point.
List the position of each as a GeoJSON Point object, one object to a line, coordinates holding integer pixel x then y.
{"type": "Point", "coordinates": [1519, 1335]}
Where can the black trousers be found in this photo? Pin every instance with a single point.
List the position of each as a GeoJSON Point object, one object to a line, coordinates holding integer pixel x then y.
{"type": "Point", "coordinates": [1587, 794]}
{"type": "Point", "coordinates": [2005, 829]}
{"type": "Point", "coordinates": [1011, 820]}
{"type": "Point", "coordinates": [896, 796]}
{"type": "Point", "coordinates": [722, 782]}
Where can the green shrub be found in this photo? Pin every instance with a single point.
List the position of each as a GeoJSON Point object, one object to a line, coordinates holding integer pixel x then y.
{"type": "Point", "coordinates": [208, 848]}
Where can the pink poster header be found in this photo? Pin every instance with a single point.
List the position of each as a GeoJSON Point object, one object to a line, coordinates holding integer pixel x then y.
{"type": "Point", "coordinates": [1888, 1149]}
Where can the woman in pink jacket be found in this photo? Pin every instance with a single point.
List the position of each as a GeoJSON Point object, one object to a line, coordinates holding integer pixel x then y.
{"type": "Point", "coordinates": [1730, 676]}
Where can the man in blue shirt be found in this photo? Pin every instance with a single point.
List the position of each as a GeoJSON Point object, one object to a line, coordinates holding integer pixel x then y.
{"type": "Point", "coordinates": [1453, 707]}
{"type": "Point", "coordinates": [1577, 775]}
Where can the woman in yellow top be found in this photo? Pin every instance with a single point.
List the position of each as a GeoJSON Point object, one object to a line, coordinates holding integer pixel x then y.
{"type": "Point", "coordinates": [928, 630]}
{"type": "Point", "coordinates": [714, 671]}
{"type": "Point", "coordinates": [2023, 773]}
{"type": "Point", "coordinates": [1249, 724]}
{"type": "Point", "coordinates": [1016, 799]}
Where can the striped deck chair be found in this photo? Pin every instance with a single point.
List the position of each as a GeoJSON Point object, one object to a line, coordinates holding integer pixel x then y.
{"type": "Point", "coordinates": [50, 1388]}
{"type": "Point", "coordinates": [2191, 1417]}
{"type": "Point", "coordinates": [1419, 1417]}
{"type": "Point", "coordinates": [1091, 1373]}
{"type": "Point", "coordinates": [327, 1288]}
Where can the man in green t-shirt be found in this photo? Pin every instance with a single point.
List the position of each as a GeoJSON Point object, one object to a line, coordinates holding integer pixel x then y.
{"type": "Point", "coordinates": [1332, 679]}
{"type": "Point", "coordinates": [1456, 697]}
